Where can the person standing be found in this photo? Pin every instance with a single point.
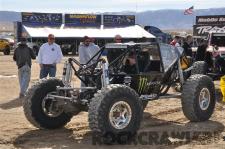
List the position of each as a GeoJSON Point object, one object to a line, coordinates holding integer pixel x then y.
{"type": "Point", "coordinates": [201, 51]}
{"type": "Point", "coordinates": [49, 55]}
{"type": "Point", "coordinates": [23, 55]}
{"type": "Point", "coordinates": [187, 46]}
{"type": "Point", "coordinates": [176, 41]}
{"type": "Point", "coordinates": [87, 49]}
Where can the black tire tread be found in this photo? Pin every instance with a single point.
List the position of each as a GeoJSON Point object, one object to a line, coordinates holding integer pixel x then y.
{"type": "Point", "coordinates": [189, 93]}
{"type": "Point", "coordinates": [27, 103]}
{"type": "Point", "coordinates": [93, 112]}
{"type": "Point", "coordinates": [199, 67]}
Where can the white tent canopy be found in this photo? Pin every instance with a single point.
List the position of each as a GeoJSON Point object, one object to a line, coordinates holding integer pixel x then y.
{"type": "Point", "coordinates": [135, 31]}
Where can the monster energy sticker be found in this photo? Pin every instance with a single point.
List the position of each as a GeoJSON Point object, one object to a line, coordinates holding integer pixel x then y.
{"type": "Point", "coordinates": [145, 84]}
{"type": "Point", "coordinates": [142, 84]}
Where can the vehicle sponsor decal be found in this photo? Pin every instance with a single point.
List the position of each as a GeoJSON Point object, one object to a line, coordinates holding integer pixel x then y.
{"type": "Point", "coordinates": [142, 84]}
{"type": "Point", "coordinates": [145, 82]}
{"type": "Point", "coordinates": [211, 20]}
{"type": "Point", "coordinates": [200, 30]}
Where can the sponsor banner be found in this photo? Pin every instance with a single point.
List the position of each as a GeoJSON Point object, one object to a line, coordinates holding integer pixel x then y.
{"type": "Point", "coordinates": [210, 20]}
{"type": "Point", "coordinates": [203, 30]}
{"type": "Point", "coordinates": [88, 20]}
{"type": "Point", "coordinates": [41, 19]}
{"type": "Point", "coordinates": [118, 20]}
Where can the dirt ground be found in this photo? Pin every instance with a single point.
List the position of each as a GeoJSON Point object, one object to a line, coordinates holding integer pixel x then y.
{"type": "Point", "coordinates": [163, 117]}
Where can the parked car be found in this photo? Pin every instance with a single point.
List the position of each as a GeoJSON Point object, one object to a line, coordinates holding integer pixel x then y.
{"type": "Point", "coordinates": [161, 36]}
{"type": "Point", "coordinates": [4, 46]}
{"type": "Point", "coordinates": [215, 55]}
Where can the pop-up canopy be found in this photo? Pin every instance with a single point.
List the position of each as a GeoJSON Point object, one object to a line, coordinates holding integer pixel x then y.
{"type": "Point", "coordinates": [134, 31]}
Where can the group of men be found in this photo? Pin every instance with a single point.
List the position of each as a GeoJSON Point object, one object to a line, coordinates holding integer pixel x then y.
{"type": "Point", "coordinates": [186, 44]}
{"type": "Point", "coordinates": [200, 55]}
{"type": "Point", "coordinates": [49, 56]}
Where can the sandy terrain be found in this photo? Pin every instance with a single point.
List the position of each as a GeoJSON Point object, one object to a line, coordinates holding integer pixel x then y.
{"type": "Point", "coordinates": [163, 117]}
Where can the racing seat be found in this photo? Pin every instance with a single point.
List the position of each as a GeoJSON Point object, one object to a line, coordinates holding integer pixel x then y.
{"type": "Point", "coordinates": [143, 61]}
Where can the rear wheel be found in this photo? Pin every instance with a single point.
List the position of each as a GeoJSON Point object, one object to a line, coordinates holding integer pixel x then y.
{"type": "Point", "coordinates": [42, 111]}
{"type": "Point", "coordinates": [199, 67]}
{"type": "Point", "coordinates": [6, 50]}
{"type": "Point", "coordinates": [115, 110]}
{"type": "Point", "coordinates": [198, 98]}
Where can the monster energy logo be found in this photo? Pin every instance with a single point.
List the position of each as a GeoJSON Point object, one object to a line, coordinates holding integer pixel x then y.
{"type": "Point", "coordinates": [145, 84]}
{"type": "Point", "coordinates": [142, 84]}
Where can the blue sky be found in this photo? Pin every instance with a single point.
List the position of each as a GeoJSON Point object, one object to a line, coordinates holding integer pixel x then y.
{"type": "Point", "coordinates": [90, 6]}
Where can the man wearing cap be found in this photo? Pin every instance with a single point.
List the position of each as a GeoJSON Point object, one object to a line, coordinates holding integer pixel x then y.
{"type": "Point", "coordinates": [23, 55]}
{"type": "Point", "coordinates": [48, 56]}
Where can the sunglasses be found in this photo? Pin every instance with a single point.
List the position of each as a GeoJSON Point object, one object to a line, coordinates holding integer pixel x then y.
{"type": "Point", "coordinates": [51, 38]}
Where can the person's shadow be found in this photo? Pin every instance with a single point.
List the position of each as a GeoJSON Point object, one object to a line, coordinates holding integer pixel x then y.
{"type": "Point", "coordinates": [158, 134]}
{"type": "Point", "coordinates": [14, 103]}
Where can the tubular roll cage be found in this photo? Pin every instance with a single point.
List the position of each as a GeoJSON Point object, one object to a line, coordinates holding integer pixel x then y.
{"type": "Point", "coordinates": [90, 68]}
{"type": "Point", "coordinates": [84, 68]}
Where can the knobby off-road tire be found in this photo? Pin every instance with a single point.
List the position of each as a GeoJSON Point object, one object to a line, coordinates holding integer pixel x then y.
{"type": "Point", "coordinates": [33, 110]}
{"type": "Point", "coordinates": [6, 51]}
{"type": "Point", "coordinates": [199, 67]}
{"type": "Point", "coordinates": [198, 98]}
{"type": "Point", "coordinates": [103, 103]}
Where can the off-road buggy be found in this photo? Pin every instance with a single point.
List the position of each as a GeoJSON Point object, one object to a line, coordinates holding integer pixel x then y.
{"type": "Point", "coordinates": [115, 93]}
{"type": "Point", "coordinates": [214, 58]}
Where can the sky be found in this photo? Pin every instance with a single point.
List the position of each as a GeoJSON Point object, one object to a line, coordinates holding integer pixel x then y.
{"type": "Point", "coordinates": [93, 6]}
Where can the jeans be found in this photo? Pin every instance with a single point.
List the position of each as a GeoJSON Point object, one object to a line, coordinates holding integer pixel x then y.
{"type": "Point", "coordinates": [47, 70]}
{"type": "Point", "coordinates": [24, 78]}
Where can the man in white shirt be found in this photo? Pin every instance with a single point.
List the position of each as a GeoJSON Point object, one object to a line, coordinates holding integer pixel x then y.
{"type": "Point", "coordinates": [48, 56]}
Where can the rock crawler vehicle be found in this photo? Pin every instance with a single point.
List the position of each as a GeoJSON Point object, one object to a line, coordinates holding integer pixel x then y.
{"type": "Point", "coordinates": [115, 93]}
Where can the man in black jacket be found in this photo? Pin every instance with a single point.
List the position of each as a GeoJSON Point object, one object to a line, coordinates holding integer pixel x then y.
{"type": "Point", "coordinates": [23, 55]}
{"type": "Point", "coordinates": [187, 46]}
{"type": "Point", "coordinates": [201, 51]}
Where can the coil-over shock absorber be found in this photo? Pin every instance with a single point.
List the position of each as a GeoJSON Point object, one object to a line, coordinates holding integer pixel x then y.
{"type": "Point", "coordinates": [67, 74]}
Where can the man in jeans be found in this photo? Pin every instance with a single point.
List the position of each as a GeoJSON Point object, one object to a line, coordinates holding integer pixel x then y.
{"type": "Point", "coordinates": [23, 55]}
{"type": "Point", "coordinates": [48, 56]}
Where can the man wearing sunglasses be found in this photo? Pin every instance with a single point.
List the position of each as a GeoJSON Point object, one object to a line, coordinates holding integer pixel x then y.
{"type": "Point", "coordinates": [48, 56]}
{"type": "Point", "coordinates": [87, 49]}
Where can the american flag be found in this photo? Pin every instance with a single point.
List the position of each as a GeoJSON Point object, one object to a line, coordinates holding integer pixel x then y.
{"type": "Point", "coordinates": [189, 11]}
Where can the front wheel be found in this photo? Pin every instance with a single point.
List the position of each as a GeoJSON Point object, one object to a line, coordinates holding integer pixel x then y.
{"type": "Point", "coordinates": [115, 110]}
{"type": "Point", "coordinates": [198, 98]}
{"type": "Point", "coordinates": [6, 50]}
{"type": "Point", "coordinates": [42, 111]}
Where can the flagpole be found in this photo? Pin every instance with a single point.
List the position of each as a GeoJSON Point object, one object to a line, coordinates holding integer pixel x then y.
{"type": "Point", "coordinates": [193, 23]}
